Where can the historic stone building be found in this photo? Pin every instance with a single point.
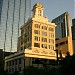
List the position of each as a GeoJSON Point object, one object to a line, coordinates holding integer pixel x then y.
{"type": "Point", "coordinates": [36, 43]}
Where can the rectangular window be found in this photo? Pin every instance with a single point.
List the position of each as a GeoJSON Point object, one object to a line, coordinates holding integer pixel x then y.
{"type": "Point", "coordinates": [51, 41]}
{"type": "Point", "coordinates": [36, 45]}
{"type": "Point", "coordinates": [51, 47]}
{"type": "Point", "coordinates": [19, 60]}
{"type": "Point", "coordinates": [51, 29]}
{"type": "Point", "coordinates": [36, 31]}
{"type": "Point", "coordinates": [51, 35]}
{"type": "Point", "coordinates": [44, 27]}
{"type": "Point", "coordinates": [36, 38]}
{"type": "Point", "coordinates": [12, 62]}
{"type": "Point", "coordinates": [16, 61]}
{"type": "Point", "coordinates": [44, 33]}
{"type": "Point", "coordinates": [37, 26]}
{"type": "Point", "coordinates": [44, 46]}
{"type": "Point", "coordinates": [44, 39]}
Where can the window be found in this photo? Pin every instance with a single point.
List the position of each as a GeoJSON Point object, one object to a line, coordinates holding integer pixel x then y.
{"type": "Point", "coordinates": [16, 61]}
{"type": "Point", "coordinates": [36, 45]}
{"type": "Point", "coordinates": [19, 60]}
{"type": "Point", "coordinates": [44, 27]}
{"type": "Point", "coordinates": [39, 12]}
{"type": "Point", "coordinates": [51, 35]}
{"type": "Point", "coordinates": [51, 41]}
{"type": "Point", "coordinates": [29, 45]}
{"type": "Point", "coordinates": [51, 29]}
{"type": "Point", "coordinates": [36, 31]}
{"type": "Point", "coordinates": [44, 46]}
{"type": "Point", "coordinates": [36, 38]}
{"type": "Point", "coordinates": [51, 47]}
{"type": "Point", "coordinates": [12, 62]}
{"type": "Point", "coordinates": [37, 26]}
{"type": "Point", "coordinates": [44, 33]}
{"type": "Point", "coordinates": [44, 39]}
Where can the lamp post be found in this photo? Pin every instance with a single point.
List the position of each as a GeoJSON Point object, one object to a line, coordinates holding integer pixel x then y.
{"type": "Point", "coordinates": [57, 56]}
{"type": "Point", "coordinates": [60, 55]}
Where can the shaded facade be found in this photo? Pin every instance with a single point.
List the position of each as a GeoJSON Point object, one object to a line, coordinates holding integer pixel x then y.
{"type": "Point", "coordinates": [14, 14]}
{"type": "Point", "coordinates": [63, 28]}
{"type": "Point", "coordinates": [2, 56]}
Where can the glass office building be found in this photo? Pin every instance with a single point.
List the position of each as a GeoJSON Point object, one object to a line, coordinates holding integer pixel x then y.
{"type": "Point", "coordinates": [14, 14]}
{"type": "Point", "coordinates": [1, 2]}
{"type": "Point", "coordinates": [63, 28]}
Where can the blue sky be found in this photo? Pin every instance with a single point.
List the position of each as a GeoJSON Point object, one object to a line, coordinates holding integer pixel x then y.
{"type": "Point", "coordinates": [54, 8]}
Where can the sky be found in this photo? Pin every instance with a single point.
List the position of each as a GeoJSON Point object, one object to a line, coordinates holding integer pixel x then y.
{"type": "Point", "coordinates": [54, 8]}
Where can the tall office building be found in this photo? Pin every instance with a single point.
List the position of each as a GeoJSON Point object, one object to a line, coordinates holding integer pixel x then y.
{"type": "Point", "coordinates": [63, 28]}
{"type": "Point", "coordinates": [1, 2]}
{"type": "Point", "coordinates": [14, 14]}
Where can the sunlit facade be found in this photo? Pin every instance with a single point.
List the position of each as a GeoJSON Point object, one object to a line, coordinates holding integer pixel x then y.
{"type": "Point", "coordinates": [65, 45]}
{"type": "Point", "coordinates": [73, 33]}
{"type": "Point", "coordinates": [38, 34]}
{"type": "Point", "coordinates": [14, 14]}
{"type": "Point", "coordinates": [36, 43]}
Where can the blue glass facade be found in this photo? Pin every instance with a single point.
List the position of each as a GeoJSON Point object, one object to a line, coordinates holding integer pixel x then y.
{"type": "Point", "coordinates": [63, 28]}
{"type": "Point", "coordinates": [1, 2]}
{"type": "Point", "coordinates": [14, 14]}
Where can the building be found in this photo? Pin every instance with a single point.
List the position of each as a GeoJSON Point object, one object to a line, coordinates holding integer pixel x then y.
{"type": "Point", "coordinates": [36, 43]}
{"type": "Point", "coordinates": [1, 2]}
{"type": "Point", "coordinates": [65, 45]}
{"type": "Point", "coordinates": [13, 14]}
{"type": "Point", "coordinates": [2, 56]}
{"type": "Point", "coordinates": [63, 28]}
{"type": "Point", "coordinates": [1, 59]}
{"type": "Point", "coordinates": [73, 33]}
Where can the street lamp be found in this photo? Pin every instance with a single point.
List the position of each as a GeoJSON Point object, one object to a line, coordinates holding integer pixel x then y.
{"type": "Point", "coordinates": [57, 56]}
